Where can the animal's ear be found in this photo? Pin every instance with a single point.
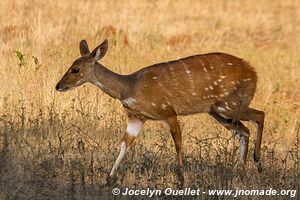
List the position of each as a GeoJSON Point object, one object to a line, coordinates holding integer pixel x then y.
{"type": "Point", "coordinates": [84, 48]}
{"type": "Point", "coordinates": [100, 51]}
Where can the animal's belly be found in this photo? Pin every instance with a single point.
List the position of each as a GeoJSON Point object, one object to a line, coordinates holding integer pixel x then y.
{"type": "Point", "coordinates": [159, 113]}
{"type": "Point", "coordinates": [160, 108]}
{"type": "Point", "coordinates": [191, 108]}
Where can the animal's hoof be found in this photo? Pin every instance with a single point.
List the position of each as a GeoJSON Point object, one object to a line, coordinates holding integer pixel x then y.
{"type": "Point", "coordinates": [256, 157]}
{"type": "Point", "coordinates": [259, 167]}
{"type": "Point", "coordinates": [239, 170]}
{"type": "Point", "coordinates": [110, 179]}
{"type": "Point", "coordinates": [241, 165]}
{"type": "Point", "coordinates": [180, 174]}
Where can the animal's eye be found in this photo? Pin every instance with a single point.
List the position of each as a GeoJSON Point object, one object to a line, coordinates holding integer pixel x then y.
{"type": "Point", "coordinates": [75, 70]}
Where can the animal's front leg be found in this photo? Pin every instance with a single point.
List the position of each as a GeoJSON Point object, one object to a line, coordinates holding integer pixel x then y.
{"type": "Point", "coordinates": [176, 134]}
{"type": "Point", "coordinates": [133, 128]}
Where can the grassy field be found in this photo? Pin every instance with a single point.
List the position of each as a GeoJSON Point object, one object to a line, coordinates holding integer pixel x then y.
{"type": "Point", "coordinates": [62, 145]}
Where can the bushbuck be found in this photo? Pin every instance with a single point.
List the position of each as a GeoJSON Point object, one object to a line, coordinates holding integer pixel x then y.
{"type": "Point", "coordinates": [219, 84]}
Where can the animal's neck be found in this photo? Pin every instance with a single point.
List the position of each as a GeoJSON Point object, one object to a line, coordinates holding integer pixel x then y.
{"type": "Point", "coordinates": [115, 85]}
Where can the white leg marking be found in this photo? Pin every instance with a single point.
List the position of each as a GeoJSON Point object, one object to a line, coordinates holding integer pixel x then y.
{"type": "Point", "coordinates": [134, 127]}
{"type": "Point", "coordinates": [120, 157]}
{"type": "Point", "coordinates": [242, 149]}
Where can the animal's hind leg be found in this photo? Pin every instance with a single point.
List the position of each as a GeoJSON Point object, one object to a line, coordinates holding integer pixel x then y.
{"type": "Point", "coordinates": [258, 117]}
{"type": "Point", "coordinates": [238, 129]}
{"type": "Point", "coordinates": [249, 114]}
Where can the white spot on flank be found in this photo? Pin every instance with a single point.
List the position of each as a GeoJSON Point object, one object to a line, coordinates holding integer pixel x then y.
{"type": "Point", "coordinates": [185, 67]}
{"type": "Point", "coordinates": [226, 103]}
{"type": "Point", "coordinates": [78, 82]}
{"type": "Point", "coordinates": [99, 84]}
{"type": "Point", "coordinates": [200, 61]}
{"type": "Point", "coordinates": [221, 109]}
{"type": "Point", "coordinates": [206, 89]}
{"type": "Point", "coordinates": [193, 93]}
{"type": "Point", "coordinates": [227, 108]}
{"type": "Point", "coordinates": [221, 86]}
{"type": "Point", "coordinates": [134, 127]}
{"type": "Point", "coordinates": [153, 104]}
{"type": "Point", "coordinates": [233, 103]}
{"type": "Point", "coordinates": [204, 68]}
{"type": "Point", "coordinates": [154, 77]}
{"type": "Point", "coordinates": [247, 79]}
{"type": "Point", "coordinates": [211, 87]}
{"type": "Point", "coordinates": [129, 101]}
{"type": "Point", "coordinates": [219, 80]}
{"type": "Point", "coordinates": [164, 106]}
{"type": "Point", "coordinates": [215, 83]}
{"type": "Point", "coordinates": [222, 77]}
{"type": "Point", "coordinates": [226, 93]}
{"type": "Point", "coordinates": [223, 116]}
{"type": "Point", "coordinates": [232, 82]}
{"type": "Point", "coordinates": [229, 63]}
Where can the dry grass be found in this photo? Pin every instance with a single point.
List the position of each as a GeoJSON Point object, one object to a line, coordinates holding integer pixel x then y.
{"type": "Point", "coordinates": [60, 146]}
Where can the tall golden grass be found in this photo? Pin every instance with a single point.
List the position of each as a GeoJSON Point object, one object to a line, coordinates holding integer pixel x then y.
{"type": "Point", "coordinates": [60, 146]}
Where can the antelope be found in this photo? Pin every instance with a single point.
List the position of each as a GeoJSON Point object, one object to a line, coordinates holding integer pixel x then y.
{"type": "Point", "coordinates": [219, 84]}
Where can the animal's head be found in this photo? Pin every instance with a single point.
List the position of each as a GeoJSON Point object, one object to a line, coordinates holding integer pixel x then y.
{"type": "Point", "coordinates": [81, 71]}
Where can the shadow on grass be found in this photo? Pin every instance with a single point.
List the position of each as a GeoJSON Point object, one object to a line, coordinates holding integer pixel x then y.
{"type": "Point", "coordinates": [68, 162]}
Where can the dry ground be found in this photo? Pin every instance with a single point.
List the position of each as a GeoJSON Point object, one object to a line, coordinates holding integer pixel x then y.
{"type": "Point", "coordinates": [61, 146]}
